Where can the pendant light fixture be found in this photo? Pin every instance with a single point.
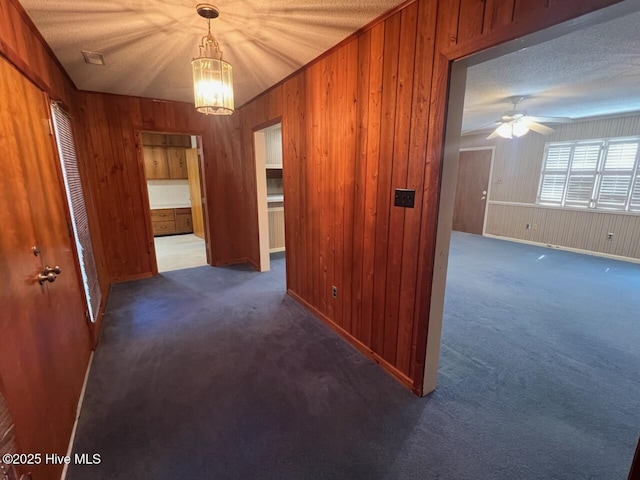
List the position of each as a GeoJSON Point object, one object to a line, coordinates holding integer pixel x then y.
{"type": "Point", "coordinates": [212, 76]}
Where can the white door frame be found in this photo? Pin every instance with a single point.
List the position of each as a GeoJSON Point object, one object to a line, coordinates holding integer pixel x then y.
{"type": "Point", "coordinates": [259, 154]}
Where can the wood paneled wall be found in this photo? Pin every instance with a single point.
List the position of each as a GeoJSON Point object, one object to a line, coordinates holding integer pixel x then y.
{"type": "Point", "coordinates": [363, 119]}
{"type": "Point", "coordinates": [360, 121]}
{"type": "Point", "coordinates": [24, 47]}
{"type": "Point", "coordinates": [111, 125]}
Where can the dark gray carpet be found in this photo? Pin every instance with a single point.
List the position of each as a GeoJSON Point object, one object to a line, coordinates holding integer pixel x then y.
{"type": "Point", "coordinates": [216, 374]}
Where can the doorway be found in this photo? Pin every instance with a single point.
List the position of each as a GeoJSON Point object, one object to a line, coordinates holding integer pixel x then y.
{"type": "Point", "coordinates": [543, 335]}
{"type": "Point", "coordinates": [172, 167]}
{"type": "Point", "coordinates": [270, 194]}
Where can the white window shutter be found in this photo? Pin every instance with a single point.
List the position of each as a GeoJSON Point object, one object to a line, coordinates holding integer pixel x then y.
{"type": "Point", "coordinates": [634, 203]}
{"type": "Point", "coordinates": [552, 188]}
{"type": "Point", "coordinates": [617, 173]}
{"type": "Point", "coordinates": [558, 157]}
{"type": "Point", "coordinates": [582, 177]}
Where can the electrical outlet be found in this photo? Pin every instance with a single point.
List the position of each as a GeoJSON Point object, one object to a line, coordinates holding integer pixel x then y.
{"type": "Point", "coordinates": [534, 226]}
{"type": "Point", "coordinates": [334, 291]}
{"type": "Point", "coordinates": [609, 236]}
{"type": "Point", "coordinates": [527, 226]}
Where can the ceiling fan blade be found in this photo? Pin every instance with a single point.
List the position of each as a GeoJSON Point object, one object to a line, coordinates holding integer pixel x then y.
{"type": "Point", "coordinates": [482, 129]}
{"type": "Point", "coordinates": [539, 128]}
{"type": "Point", "coordinates": [493, 135]}
{"type": "Point", "coordinates": [550, 119]}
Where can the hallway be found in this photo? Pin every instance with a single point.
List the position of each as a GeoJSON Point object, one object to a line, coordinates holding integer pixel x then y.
{"type": "Point", "coordinates": [216, 373]}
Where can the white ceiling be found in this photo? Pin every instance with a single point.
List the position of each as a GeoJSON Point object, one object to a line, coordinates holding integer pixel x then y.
{"type": "Point", "coordinates": [148, 44]}
{"type": "Point", "coordinates": [591, 72]}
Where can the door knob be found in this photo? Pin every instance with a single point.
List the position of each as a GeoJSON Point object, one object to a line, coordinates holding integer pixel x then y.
{"type": "Point", "coordinates": [46, 277]}
{"type": "Point", "coordinates": [49, 275]}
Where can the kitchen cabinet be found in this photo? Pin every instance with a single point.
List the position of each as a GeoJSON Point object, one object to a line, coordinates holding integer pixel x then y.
{"type": "Point", "coordinates": [276, 226]}
{"type": "Point", "coordinates": [165, 156]}
{"type": "Point", "coordinates": [169, 221]}
{"type": "Point", "coordinates": [177, 161]}
{"type": "Point", "coordinates": [156, 166]}
{"type": "Point", "coordinates": [184, 223]}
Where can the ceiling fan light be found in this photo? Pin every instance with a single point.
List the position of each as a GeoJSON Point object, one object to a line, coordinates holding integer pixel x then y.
{"type": "Point", "coordinates": [520, 128]}
{"type": "Point", "coordinates": [505, 130]}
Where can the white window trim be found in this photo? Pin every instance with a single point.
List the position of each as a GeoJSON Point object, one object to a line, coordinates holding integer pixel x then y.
{"type": "Point", "coordinates": [599, 173]}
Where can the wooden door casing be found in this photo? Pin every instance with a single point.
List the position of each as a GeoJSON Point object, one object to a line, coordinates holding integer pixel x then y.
{"type": "Point", "coordinates": [45, 339]}
{"type": "Point", "coordinates": [474, 169]}
{"type": "Point", "coordinates": [195, 189]}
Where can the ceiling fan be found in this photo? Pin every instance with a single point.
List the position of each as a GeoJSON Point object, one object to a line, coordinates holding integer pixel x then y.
{"type": "Point", "coordinates": [516, 123]}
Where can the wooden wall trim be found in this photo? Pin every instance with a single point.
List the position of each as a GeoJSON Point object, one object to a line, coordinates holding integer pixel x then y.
{"type": "Point", "coordinates": [131, 278]}
{"type": "Point", "coordinates": [386, 366]}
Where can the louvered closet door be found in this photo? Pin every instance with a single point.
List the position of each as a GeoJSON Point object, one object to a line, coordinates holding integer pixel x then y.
{"type": "Point", "coordinates": [78, 209]}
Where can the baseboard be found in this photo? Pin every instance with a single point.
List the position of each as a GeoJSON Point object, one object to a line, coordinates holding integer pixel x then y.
{"type": "Point", "coordinates": [129, 278]}
{"type": "Point", "coordinates": [253, 263]}
{"type": "Point", "coordinates": [566, 249]}
{"type": "Point", "coordinates": [234, 261]}
{"type": "Point", "coordinates": [78, 410]}
{"type": "Point", "coordinates": [386, 366]}
{"type": "Point", "coordinates": [96, 328]}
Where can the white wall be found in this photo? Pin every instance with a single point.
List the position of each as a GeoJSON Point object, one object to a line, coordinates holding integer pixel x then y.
{"type": "Point", "coordinates": [514, 187]}
{"type": "Point", "coordinates": [168, 193]}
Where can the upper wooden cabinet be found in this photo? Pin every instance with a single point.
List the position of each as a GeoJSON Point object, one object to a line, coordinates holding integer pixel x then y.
{"type": "Point", "coordinates": [156, 166]}
{"type": "Point", "coordinates": [177, 160]}
{"type": "Point", "coordinates": [165, 156]}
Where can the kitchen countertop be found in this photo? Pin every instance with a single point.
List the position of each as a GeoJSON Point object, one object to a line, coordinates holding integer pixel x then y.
{"type": "Point", "coordinates": [275, 198]}
{"type": "Point", "coordinates": [171, 205]}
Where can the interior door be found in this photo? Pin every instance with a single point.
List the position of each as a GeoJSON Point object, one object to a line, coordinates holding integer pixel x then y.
{"type": "Point", "coordinates": [45, 341]}
{"type": "Point", "coordinates": [474, 168]}
{"type": "Point", "coordinates": [195, 190]}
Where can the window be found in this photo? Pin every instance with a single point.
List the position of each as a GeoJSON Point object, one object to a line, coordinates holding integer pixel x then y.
{"type": "Point", "coordinates": [602, 174]}
{"type": "Point", "coordinates": [77, 208]}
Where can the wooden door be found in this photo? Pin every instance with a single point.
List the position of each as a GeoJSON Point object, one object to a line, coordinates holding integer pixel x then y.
{"type": "Point", "coordinates": [177, 162]}
{"type": "Point", "coordinates": [474, 168]}
{"type": "Point", "coordinates": [195, 189]}
{"type": "Point", "coordinates": [155, 163]}
{"type": "Point", "coordinates": [45, 341]}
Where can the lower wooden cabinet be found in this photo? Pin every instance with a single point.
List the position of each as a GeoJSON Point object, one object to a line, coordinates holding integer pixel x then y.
{"type": "Point", "coordinates": [169, 221]}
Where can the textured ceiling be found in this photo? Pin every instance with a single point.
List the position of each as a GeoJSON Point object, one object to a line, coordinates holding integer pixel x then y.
{"type": "Point", "coordinates": [591, 72]}
{"type": "Point", "coordinates": [148, 44]}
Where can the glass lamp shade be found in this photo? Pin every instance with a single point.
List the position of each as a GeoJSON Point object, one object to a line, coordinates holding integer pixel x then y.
{"type": "Point", "coordinates": [212, 86]}
{"type": "Point", "coordinates": [505, 130]}
{"type": "Point", "coordinates": [520, 128]}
